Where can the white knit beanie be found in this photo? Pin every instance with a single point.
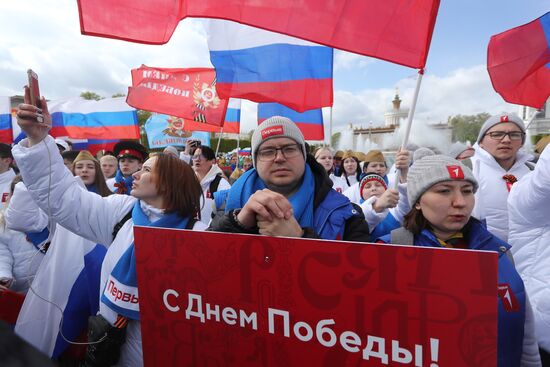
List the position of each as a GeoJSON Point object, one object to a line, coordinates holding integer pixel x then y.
{"type": "Point", "coordinates": [494, 120]}
{"type": "Point", "coordinates": [276, 127]}
{"type": "Point", "coordinates": [433, 169]}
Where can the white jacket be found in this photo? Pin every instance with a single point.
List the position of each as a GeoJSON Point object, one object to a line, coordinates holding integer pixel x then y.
{"type": "Point", "coordinates": [19, 258]}
{"type": "Point", "coordinates": [207, 201]}
{"type": "Point", "coordinates": [529, 215]}
{"type": "Point", "coordinates": [90, 215]}
{"type": "Point", "coordinates": [492, 194]}
{"type": "Point", "coordinates": [38, 321]}
{"type": "Point", "coordinates": [5, 181]}
{"type": "Point", "coordinates": [338, 183]}
{"type": "Point", "coordinates": [372, 217]}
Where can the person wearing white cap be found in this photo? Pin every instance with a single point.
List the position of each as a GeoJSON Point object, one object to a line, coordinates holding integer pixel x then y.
{"type": "Point", "coordinates": [441, 196]}
{"type": "Point", "coordinates": [497, 164]}
{"type": "Point", "coordinates": [62, 145]}
{"type": "Point", "coordinates": [288, 193]}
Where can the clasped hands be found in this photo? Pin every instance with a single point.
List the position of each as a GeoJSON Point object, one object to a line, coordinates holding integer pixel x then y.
{"type": "Point", "coordinates": [272, 213]}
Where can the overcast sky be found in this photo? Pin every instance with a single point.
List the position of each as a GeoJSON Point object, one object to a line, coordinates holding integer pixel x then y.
{"type": "Point", "coordinates": [45, 35]}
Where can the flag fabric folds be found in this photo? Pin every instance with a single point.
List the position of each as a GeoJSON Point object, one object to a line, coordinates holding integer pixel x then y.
{"type": "Point", "coordinates": [164, 130]}
{"type": "Point", "coordinates": [95, 146]}
{"type": "Point", "coordinates": [393, 30]}
{"type": "Point", "coordinates": [263, 66]}
{"type": "Point", "coordinates": [188, 93]}
{"type": "Point", "coordinates": [66, 285]}
{"type": "Point", "coordinates": [310, 122]}
{"type": "Point", "coordinates": [83, 119]}
{"type": "Point", "coordinates": [231, 125]}
{"type": "Point", "coordinates": [518, 61]}
{"type": "Point", "coordinates": [6, 133]}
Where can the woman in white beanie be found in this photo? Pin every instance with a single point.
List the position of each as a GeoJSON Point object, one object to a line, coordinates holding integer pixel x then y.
{"type": "Point", "coordinates": [441, 195]}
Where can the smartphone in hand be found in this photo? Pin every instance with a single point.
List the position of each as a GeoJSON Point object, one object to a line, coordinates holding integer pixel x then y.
{"type": "Point", "coordinates": [34, 89]}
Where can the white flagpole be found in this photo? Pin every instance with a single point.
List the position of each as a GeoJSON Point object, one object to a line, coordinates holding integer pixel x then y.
{"type": "Point", "coordinates": [219, 141]}
{"type": "Point", "coordinates": [238, 148]}
{"type": "Point", "coordinates": [531, 119]}
{"type": "Point", "coordinates": [330, 129]}
{"type": "Point", "coordinates": [410, 118]}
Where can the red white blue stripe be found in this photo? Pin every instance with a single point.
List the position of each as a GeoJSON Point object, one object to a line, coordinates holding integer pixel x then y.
{"type": "Point", "coordinates": [6, 133]}
{"type": "Point", "coordinates": [232, 123]}
{"type": "Point", "coordinates": [104, 119]}
{"type": "Point", "coordinates": [264, 66]}
{"type": "Point", "coordinates": [310, 122]}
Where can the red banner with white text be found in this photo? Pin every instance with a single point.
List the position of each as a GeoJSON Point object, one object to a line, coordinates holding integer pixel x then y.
{"type": "Point", "coordinates": [187, 93]}
{"type": "Point", "coordinates": [216, 299]}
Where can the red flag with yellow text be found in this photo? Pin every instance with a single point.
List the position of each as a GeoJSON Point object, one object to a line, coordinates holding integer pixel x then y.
{"type": "Point", "coordinates": [187, 93]}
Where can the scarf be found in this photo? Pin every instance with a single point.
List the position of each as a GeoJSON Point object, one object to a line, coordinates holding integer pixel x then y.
{"type": "Point", "coordinates": [301, 200]}
{"type": "Point", "coordinates": [123, 184]}
{"type": "Point", "coordinates": [38, 238]}
{"type": "Point", "coordinates": [121, 293]}
{"type": "Point", "coordinates": [93, 188]}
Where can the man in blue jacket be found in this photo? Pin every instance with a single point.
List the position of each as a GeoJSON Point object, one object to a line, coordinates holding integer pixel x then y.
{"type": "Point", "coordinates": [288, 193]}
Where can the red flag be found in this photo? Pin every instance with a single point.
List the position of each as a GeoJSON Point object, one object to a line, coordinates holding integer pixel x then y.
{"type": "Point", "coordinates": [187, 93]}
{"type": "Point", "coordinates": [10, 304]}
{"type": "Point", "coordinates": [393, 30]}
{"type": "Point", "coordinates": [518, 62]}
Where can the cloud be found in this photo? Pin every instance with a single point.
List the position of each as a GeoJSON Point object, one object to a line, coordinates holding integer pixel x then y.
{"type": "Point", "coordinates": [349, 61]}
{"type": "Point", "coordinates": [47, 39]}
{"type": "Point", "coordinates": [464, 91]}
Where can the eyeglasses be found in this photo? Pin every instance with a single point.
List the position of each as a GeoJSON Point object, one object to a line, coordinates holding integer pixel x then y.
{"type": "Point", "coordinates": [288, 151]}
{"type": "Point", "coordinates": [197, 157]}
{"type": "Point", "coordinates": [513, 135]}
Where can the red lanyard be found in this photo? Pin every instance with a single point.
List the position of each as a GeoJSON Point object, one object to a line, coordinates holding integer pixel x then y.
{"type": "Point", "coordinates": [510, 180]}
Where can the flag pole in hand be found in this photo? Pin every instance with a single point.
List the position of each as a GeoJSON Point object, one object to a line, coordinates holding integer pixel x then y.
{"type": "Point", "coordinates": [410, 118]}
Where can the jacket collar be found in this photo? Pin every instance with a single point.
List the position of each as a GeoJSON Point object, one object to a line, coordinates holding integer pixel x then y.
{"type": "Point", "coordinates": [484, 156]}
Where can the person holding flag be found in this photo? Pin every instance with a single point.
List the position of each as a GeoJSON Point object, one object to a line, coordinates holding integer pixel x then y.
{"type": "Point", "coordinates": [165, 193]}
{"type": "Point", "coordinates": [441, 193]}
{"type": "Point", "coordinates": [130, 156]}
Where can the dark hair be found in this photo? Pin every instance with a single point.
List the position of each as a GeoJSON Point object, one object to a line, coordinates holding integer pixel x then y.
{"type": "Point", "coordinates": [344, 174]}
{"type": "Point", "coordinates": [207, 152]}
{"type": "Point", "coordinates": [414, 221]}
{"type": "Point", "coordinates": [99, 179]}
{"type": "Point", "coordinates": [70, 155]}
{"type": "Point", "coordinates": [178, 185]}
{"type": "Point", "coordinates": [5, 151]}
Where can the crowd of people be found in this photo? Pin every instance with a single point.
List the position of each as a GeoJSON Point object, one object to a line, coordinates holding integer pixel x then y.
{"type": "Point", "coordinates": [490, 196]}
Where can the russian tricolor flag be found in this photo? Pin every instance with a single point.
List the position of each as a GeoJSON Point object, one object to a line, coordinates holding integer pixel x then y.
{"type": "Point", "coordinates": [232, 122]}
{"type": "Point", "coordinates": [310, 122]}
{"type": "Point", "coordinates": [104, 119]}
{"type": "Point", "coordinates": [6, 134]}
{"type": "Point", "coordinates": [264, 66]}
{"type": "Point", "coordinates": [94, 146]}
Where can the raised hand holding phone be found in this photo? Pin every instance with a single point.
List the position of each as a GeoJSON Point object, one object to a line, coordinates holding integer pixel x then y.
{"type": "Point", "coordinates": [34, 89]}
{"type": "Point", "coordinates": [34, 118]}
